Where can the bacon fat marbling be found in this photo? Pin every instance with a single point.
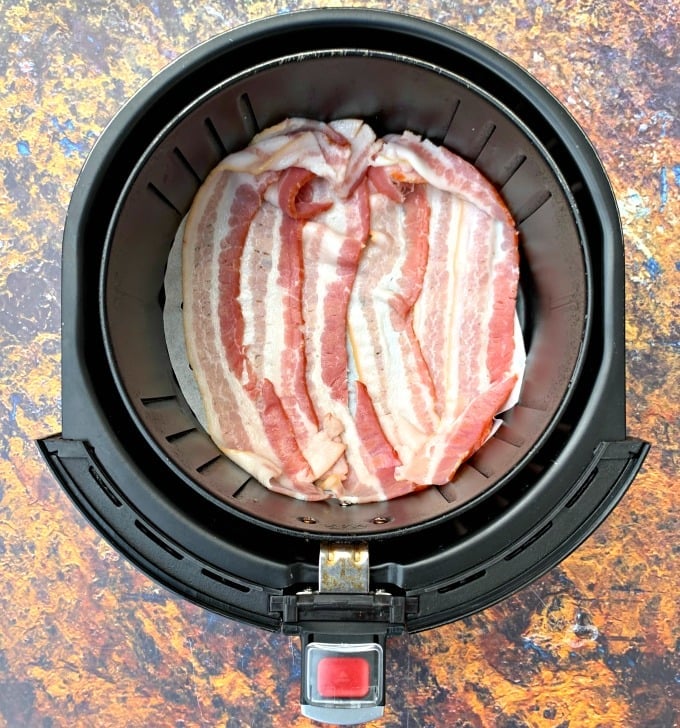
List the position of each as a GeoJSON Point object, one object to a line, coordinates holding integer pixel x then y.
{"type": "Point", "coordinates": [349, 310]}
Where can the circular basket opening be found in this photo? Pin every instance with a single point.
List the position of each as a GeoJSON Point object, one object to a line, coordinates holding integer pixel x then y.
{"type": "Point", "coordinates": [392, 93]}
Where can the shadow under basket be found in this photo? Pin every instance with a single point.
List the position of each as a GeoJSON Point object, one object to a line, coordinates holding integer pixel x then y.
{"type": "Point", "coordinates": [137, 462]}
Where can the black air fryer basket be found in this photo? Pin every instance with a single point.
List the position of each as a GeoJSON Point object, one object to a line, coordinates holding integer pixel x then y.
{"type": "Point", "coordinates": [139, 465]}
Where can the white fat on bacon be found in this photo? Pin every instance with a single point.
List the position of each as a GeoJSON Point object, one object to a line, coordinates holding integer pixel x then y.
{"type": "Point", "coordinates": [349, 310]}
{"type": "Point", "coordinates": [464, 317]}
{"type": "Point", "coordinates": [385, 349]}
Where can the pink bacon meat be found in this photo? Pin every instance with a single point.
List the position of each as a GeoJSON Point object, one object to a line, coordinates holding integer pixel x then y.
{"type": "Point", "coordinates": [238, 285]}
{"type": "Point", "coordinates": [334, 242]}
{"type": "Point", "coordinates": [386, 351]}
{"type": "Point", "coordinates": [465, 314]}
{"type": "Point", "coordinates": [349, 310]}
{"type": "Point", "coordinates": [245, 416]}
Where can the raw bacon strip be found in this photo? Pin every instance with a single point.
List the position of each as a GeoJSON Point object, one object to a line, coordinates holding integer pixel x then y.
{"type": "Point", "coordinates": [261, 328]}
{"type": "Point", "coordinates": [382, 455]}
{"type": "Point", "coordinates": [470, 282]}
{"type": "Point", "coordinates": [295, 195]}
{"type": "Point", "coordinates": [314, 146]}
{"type": "Point", "coordinates": [433, 313]}
{"type": "Point", "coordinates": [387, 354]}
{"type": "Point", "coordinates": [376, 450]}
{"type": "Point", "coordinates": [257, 266]}
{"type": "Point", "coordinates": [295, 124]}
{"type": "Point", "coordinates": [457, 438]}
{"type": "Point", "coordinates": [320, 450]}
{"type": "Point", "coordinates": [501, 355]}
{"type": "Point", "coordinates": [244, 415]}
{"type": "Point", "coordinates": [382, 182]}
{"type": "Point", "coordinates": [270, 302]}
{"type": "Point", "coordinates": [443, 170]}
{"type": "Point", "coordinates": [333, 242]}
{"type": "Point", "coordinates": [332, 258]}
{"type": "Point", "coordinates": [363, 148]}
{"type": "Point", "coordinates": [282, 435]}
{"type": "Point", "coordinates": [465, 318]}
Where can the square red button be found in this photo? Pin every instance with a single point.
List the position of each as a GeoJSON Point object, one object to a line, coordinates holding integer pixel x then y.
{"type": "Point", "coordinates": [343, 677]}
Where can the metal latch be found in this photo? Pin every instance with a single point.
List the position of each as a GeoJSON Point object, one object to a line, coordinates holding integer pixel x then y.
{"type": "Point", "coordinates": [344, 568]}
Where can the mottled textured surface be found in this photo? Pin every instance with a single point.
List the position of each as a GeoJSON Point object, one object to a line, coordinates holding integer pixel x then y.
{"type": "Point", "coordinates": [86, 640]}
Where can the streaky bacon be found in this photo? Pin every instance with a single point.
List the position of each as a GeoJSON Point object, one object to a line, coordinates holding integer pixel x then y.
{"type": "Point", "coordinates": [364, 147]}
{"type": "Point", "coordinates": [312, 145]}
{"type": "Point", "coordinates": [457, 437]}
{"type": "Point", "coordinates": [245, 418]}
{"type": "Point", "coordinates": [334, 241]}
{"type": "Point", "coordinates": [465, 315]}
{"type": "Point", "coordinates": [383, 183]}
{"type": "Point", "coordinates": [296, 197]}
{"type": "Point", "coordinates": [271, 304]}
{"type": "Point", "coordinates": [273, 435]}
{"type": "Point", "coordinates": [388, 356]}
{"type": "Point", "coordinates": [375, 449]}
{"type": "Point", "coordinates": [349, 309]}
{"type": "Point", "coordinates": [444, 170]}
{"type": "Point", "coordinates": [327, 133]}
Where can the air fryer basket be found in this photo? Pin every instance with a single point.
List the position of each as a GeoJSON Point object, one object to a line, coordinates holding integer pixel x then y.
{"type": "Point", "coordinates": [393, 93]}
{"type": "Point", "coordinates": [137, 462]}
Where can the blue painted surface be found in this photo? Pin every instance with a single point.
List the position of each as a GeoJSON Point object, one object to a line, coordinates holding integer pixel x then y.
{"type": "Point", "coordinates": [663, 187]}
{"type": "Point", "coordinates": [14, 400]}
{"type": "Point", "coordinates": [653, 268]}
{"type": "Point", "coordinates": [67, 125]}
{"type": "Point", "coordinates": [532, 646]}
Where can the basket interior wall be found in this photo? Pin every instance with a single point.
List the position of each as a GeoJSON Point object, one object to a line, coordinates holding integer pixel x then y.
{"type": "Point", "coordinates": [391, 93]}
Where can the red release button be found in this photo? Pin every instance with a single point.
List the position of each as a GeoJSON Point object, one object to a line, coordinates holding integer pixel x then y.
{"type": "Point", "coordinates": [343, 677]}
